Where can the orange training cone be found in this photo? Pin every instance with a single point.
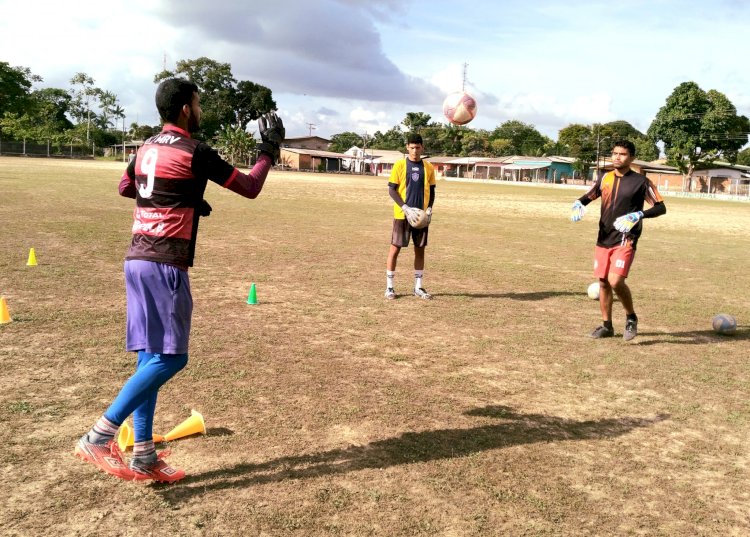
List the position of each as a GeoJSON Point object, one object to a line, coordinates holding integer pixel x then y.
{"type": "Point", "coordinates": [193, 425]}
{"type": "Point", "coordinates": [4, 313]}
{"type": "Point", "coordinates": [126, 437]}
{"type": "Point", "coordinates": [32, 259]}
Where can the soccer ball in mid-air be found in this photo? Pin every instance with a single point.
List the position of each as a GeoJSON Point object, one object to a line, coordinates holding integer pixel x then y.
{"type": "Point", "coordinates": [724, 323]}
{"type": "Point", "coordinates": [593, 291]}
{"type": "Point", "coordinates": [459, 108]}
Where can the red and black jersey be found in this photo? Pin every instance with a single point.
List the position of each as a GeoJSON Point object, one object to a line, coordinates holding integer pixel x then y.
{"type": "Point", "coordinates": [169, 176]}
{"type": "Point", "coordinates": [621, 195]}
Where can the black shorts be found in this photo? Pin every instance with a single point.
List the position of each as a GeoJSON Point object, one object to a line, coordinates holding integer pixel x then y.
{"type": "Point", "coordinates": [402, 231]}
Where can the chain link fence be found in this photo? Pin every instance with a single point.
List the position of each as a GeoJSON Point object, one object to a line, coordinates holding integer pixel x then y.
{"type": "Point", "coordinates": [51, 150]}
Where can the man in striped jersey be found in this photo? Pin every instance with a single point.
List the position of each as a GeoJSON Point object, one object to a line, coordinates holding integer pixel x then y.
{"type": "Point", "coordinates": [623, 194]}
{"type": "Point", "coordinates": [167, 179]}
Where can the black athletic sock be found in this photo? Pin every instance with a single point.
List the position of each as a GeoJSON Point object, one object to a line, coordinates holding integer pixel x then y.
{"type": "Point", "coordinates": [632, 317]}
{"type": "Point", "coordinates": [608, 325]}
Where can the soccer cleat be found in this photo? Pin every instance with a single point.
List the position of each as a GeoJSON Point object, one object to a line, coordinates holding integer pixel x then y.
{"type": "Point", "coordinates": [602, 331]}
{"type": "Point", "coordinates": [107, 457]}
{"type": "Point", "coordinates": [631, 329]}
{"type": "Point", "coordinates": [390, 294]}
{"type": "Point", "coordinates": [159, 471]}
{"type": "Point", "coordinates": [421, 293]}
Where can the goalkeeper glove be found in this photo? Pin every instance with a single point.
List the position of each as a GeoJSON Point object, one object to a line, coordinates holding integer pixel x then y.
{"type": "Point", "coordinates": [428, 212]}
{"type": "Point", "coordinates": [411, 214]}
{"type": "Point", "coordinates": [625, 223]}
{"type": "Point", "coordinates": [272, 133]}
{"type": "Point", "coordinates": [577, 212]}
{"type": "Point", "coordinates": [204, 209]}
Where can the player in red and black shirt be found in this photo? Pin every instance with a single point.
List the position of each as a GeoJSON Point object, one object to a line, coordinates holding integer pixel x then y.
{"type": "Point", "coordinates": [623, 193]}
{"type": "Point", "coordinates": [167, 178]}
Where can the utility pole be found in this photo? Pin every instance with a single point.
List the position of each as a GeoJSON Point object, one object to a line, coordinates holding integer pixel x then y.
{"type": "Point", "coordinates": [598, 141]}
{"type": "Point", "coordinates": [310, 128]}
{"type": "Point", "coordinates": [124, 156]}
{"type": "Point", "coordinates": [364, 152]}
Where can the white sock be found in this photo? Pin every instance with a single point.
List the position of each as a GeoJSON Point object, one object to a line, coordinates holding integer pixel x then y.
{"type": "Point", "coordinates": [418, 279]}
{"type": "Point", "coordinates": [389, 275]}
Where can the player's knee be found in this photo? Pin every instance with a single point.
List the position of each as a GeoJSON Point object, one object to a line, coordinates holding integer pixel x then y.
{"type": "Point", "coordinates": [177, 362]}
{"type": "Point", "coordinates": [617, 282]}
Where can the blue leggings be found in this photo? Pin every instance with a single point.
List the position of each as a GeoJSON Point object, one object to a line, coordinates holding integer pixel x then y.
{"type": "Point", "coordinates": [138, 395]}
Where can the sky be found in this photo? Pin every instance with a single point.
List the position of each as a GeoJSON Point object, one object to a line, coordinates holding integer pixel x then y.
{"type": "Point", "coordinates": [356, 65]}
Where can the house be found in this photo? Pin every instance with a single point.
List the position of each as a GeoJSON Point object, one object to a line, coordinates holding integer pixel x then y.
{"type": "Point", "coordinates": [722, 178]}
{"type": "Point", "coordinates": [523, 168]}
{"type": "Point", "coordinates": [311, 160]}
{"type": "Point", "coordinates": [307, 142]}
{"type": "Point", "coordinates": [360, 160]}
{"type": "Point", "coordinates": [384, 159]}
{"type": "Point", "coordinates": [441, 165]}
{"type": "Point", "coordinates": [560, 169]}
{"type": "Point", "coordinates": [665, 177]}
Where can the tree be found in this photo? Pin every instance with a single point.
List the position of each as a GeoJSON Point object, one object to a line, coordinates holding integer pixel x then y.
{"type": "Point", "coordinates": [84, 92]}
{"type": "Point", "coordinates": [225, 102]}
{"type": "Point", "coordinates": [609, 133]}
{"type": "Point", "coordinates": [15, 88]}
{"type": "Point", "coordinates": [235, 144]}
{"type": "Point", "coordinates": [109, 109]}
{"type": "Point", "coordinates": [523, 138]}
{"type": "Point", "coordinates": [697, 127]}
{"type": "Point", "coordinates": [142, 132]}
{"type": "Point", "coordinates": [743, 157]}
{"type": "Point", "coordinates": [416, 121]}
{"type": "Point", "coordinates": [345, 140]}
{"type": "Point", "coordinates": [251, 101]}
{"type": "Point", "coordinates": [51, 106]}
{"type": "Point", "coordinates": [580, 143]}
{"type": "Point", "coordinates": [475, 143]}
{"type": "Point", "coordinates": [392, 139]}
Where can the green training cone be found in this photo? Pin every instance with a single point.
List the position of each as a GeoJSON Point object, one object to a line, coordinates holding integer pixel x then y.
{"type": "Point", "coordinates": [252, 297]}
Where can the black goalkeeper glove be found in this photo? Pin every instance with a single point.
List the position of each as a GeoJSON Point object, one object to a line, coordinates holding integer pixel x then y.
{"type": "Point", "coordinates": [272, 133]}
{"type": "Point", "coordinates": [204, 209]}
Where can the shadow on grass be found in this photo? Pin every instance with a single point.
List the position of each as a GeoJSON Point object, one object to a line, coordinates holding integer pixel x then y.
{"type": "Point", "coordinates": [693, 337]}
{"type": "Point", "coordinates": [517, 429]}
{"type": "Point", "coordinates": [536, 295]}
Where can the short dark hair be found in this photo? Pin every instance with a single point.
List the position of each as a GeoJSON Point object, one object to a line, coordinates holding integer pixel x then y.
{"type": "Point", "coordinates": [171, 95]}
{"type": "Point", "coordinates": [627, 144]}
{"type": "Point", "coordinates": [414, 138]}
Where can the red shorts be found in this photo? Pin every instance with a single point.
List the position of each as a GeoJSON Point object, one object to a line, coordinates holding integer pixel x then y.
{"type": "Point", "coordinates": [617, 259]}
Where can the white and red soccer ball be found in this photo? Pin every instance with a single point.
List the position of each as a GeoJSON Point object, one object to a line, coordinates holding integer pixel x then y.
{"type": "Point", "coordinates": [459, 108]}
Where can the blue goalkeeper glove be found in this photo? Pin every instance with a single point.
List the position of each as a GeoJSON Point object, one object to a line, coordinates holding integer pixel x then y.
{"type": "Point", "coordinates": [577, 212]}
{"type": "Point", "coordinates": [625, 223]}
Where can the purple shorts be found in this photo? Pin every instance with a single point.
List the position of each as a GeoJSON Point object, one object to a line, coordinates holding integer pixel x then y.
{"type": "Point", "coordinates": [160, 307]}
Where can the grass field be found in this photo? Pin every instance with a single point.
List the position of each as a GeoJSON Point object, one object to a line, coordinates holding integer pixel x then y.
{"type": "Point", "coordinates": [330, 411]}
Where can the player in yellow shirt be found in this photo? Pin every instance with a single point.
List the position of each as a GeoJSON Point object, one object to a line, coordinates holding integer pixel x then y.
{"type": "Point", "coordinates": [411, 186]}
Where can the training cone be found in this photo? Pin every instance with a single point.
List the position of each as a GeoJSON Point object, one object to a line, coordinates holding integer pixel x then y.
{"type": "Point", "coordinates": [4, 313]}
{"type": "Point", "coordinates": [126, 437]}
{"type": "Point", "coordinates": [252, 297]}
{"type": "Point", "coordinates": [32, 259]}
{"type": "Point", "coordinates": [193, 425]}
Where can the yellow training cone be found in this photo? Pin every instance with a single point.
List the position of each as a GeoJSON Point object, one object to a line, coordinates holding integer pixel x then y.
{"type": "Point", "coordinates": [193, 425]}
{"type": "Point", "coordinates": [4, 313]}
{"type": "Point", "coordinates": [126, 437]}
{"type": "Point", "coordinates": [32, 259]}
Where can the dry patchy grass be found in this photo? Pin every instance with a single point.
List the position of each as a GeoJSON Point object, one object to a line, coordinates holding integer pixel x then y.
{"type": "Point", "coordinates": [331, 411]}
